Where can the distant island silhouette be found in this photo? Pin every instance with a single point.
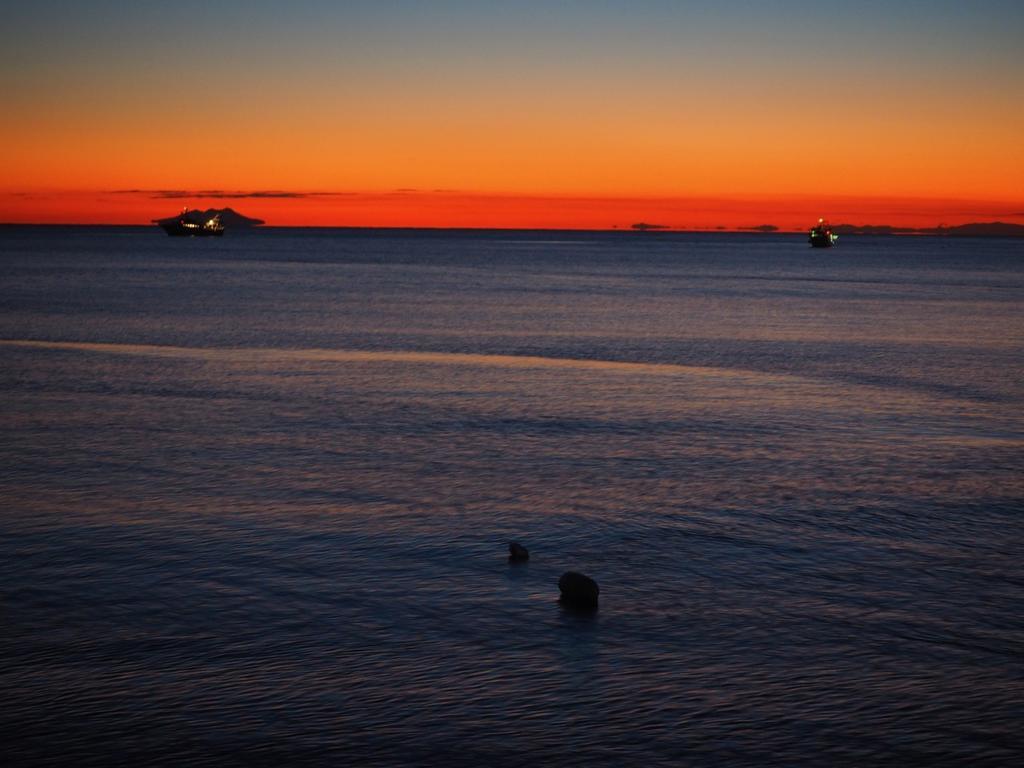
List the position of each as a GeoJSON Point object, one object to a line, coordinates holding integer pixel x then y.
{"type": "Point", "coordinates": [974, 229]}
{"type": "Point", "coordinates": [230, 218]}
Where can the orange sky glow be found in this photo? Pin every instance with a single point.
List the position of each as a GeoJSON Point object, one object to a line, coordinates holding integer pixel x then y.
{"type": "Point", "coordinates": [413, 208]}
{"type": "Point", "coordinates": [471, 116]}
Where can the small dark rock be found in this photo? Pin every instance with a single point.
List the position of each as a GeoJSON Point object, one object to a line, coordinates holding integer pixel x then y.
{"type": "Point", "coordinates": [517, 553]}
{"type": "Point", "coordinates": [578, 591]}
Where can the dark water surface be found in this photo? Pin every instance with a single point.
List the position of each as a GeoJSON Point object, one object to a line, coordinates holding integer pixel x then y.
{"type": "Point", "coordinates": [255, 497]}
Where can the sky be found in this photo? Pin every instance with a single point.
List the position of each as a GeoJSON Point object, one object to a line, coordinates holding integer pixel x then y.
{"type": "Point", "coordinates": [562, 113]}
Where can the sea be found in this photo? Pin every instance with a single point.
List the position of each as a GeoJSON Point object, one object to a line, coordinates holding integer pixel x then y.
{"type": "Point", "coordinates": [257, 492]}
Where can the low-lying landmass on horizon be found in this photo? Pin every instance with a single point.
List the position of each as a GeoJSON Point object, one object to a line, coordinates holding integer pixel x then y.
{"type": "Point", "coordinates": [971, 229]}
{"type": "Point", "coordinates": [235, 220]}
{"type": "Point", "coordinates": [468, 209]}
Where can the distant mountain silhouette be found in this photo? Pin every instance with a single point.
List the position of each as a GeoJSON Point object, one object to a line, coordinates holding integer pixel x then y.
{"type": "Point", "coordinates": [230, 218]}
{"type": "Point", "coordinates": [872, 229]}
{"type": "Point", "coordinates": [974, 229]}
{"type": "Point", "coordinates": [980, 229]}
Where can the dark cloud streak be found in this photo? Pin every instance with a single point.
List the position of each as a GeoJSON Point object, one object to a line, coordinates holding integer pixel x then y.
{"type": "Point", "coordinates": [223, 194]}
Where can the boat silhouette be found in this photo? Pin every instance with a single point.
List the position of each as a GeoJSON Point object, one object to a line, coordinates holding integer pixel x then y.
{"type": "Point", "coordinates": [821, 235]}
{"type": "Point", "coordinates": [191, 224]}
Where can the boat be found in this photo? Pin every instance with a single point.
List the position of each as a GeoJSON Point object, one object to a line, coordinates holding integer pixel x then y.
{"type": "Point", "coordinates": [821, 235]}
{"type": "Point", "coordinates": [190, 224]}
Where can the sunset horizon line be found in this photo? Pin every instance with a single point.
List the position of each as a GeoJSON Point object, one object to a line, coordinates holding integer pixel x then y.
{"type": "Point", "coordinates": [412, 208]}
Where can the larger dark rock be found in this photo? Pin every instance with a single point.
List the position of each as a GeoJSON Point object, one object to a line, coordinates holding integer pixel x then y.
{"type": "Point", "coordinates": [578, 591]}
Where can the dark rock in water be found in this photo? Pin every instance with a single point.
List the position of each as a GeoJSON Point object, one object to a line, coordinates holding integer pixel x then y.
{"type": "Point", "coordinates": [578, 591]}
{"type": "Point", "coordinates": [517, 553]}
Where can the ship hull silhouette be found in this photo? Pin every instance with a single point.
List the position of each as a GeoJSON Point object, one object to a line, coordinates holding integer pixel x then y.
{"type": "Point", "coordinates": [821, 235]}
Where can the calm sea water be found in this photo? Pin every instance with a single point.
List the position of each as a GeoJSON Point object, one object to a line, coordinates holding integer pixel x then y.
{"type": "Point", "coordinates": [256, 495]}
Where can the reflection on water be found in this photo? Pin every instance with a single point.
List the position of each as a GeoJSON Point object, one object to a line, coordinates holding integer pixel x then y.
{"type": "Point", "coordinates": [257, 497]}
